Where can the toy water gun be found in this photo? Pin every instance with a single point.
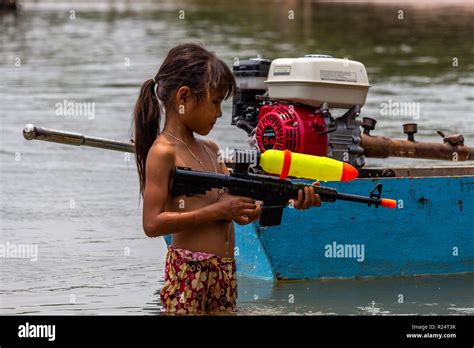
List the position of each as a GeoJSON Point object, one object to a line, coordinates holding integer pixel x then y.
{"type": "Point", "coordinates": [273, 192]}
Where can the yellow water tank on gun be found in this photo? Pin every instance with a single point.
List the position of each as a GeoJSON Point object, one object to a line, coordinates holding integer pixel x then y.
{"type": "Point", "coordinates": [298, 165]}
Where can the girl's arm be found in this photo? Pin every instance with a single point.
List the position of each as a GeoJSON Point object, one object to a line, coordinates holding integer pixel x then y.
{"type": "Point", "coordinates": [251, 216]}
{"type": "Point", "coordinates": [157, 222]}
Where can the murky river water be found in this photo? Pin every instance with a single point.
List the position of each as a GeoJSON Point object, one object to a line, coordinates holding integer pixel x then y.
{"type": "Point", "coordinates": [80, 206]}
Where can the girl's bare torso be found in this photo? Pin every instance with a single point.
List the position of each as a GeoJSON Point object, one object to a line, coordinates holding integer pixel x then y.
{"type": "Point", "coordinates": [215, 237]}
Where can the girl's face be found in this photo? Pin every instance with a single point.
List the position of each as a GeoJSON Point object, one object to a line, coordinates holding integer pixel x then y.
{"type": "Point", "coordinates": [202, 117]}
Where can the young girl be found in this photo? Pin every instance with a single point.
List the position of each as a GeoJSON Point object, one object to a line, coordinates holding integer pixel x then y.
{"type": "Point", "coordinates": [200, 267]}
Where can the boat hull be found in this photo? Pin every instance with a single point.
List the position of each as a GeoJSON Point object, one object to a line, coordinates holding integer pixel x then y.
{"type": "Point", "coordinates": [430, 233]}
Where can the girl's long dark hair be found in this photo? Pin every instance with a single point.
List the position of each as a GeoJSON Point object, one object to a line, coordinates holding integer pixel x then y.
{"type": "Point", "coordinates": [189, 65]}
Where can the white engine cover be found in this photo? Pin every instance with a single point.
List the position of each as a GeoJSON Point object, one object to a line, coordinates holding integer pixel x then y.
{"type": "Point", "coordinates": [313, 80]}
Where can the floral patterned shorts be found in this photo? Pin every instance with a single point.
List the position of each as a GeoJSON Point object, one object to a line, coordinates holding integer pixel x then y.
{"type": "Point", "coordinates": [198, 283]}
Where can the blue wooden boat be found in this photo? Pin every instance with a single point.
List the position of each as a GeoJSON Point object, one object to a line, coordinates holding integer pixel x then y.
{"type": "Point", "coordinates": [432, 232]}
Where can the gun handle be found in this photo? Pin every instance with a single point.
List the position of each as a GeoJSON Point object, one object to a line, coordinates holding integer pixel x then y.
{"type": "Point", "coordinates": [271, 216]}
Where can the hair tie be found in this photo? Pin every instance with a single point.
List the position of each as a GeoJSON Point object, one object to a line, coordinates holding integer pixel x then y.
{"type": "Point", "coordinates": [155, 88]}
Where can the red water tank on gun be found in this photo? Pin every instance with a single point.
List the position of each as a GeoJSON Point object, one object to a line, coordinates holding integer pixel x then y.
{"type": "Point", "coordinates": [293, 127]}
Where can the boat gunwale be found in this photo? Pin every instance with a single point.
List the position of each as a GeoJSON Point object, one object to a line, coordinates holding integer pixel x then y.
{"type": "Point", "coordinates": [416, 172]}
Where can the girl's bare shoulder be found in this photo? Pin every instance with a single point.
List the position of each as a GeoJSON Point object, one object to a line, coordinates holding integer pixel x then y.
{"type": "Point", "coordinates": [161, 152]}
{"type": "Point", "coordinates": [211, 145]}
{"type": "Point", "coordinates": [217, 155]}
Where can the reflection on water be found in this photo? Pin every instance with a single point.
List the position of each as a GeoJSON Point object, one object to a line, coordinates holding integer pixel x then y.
{"type": "Point", "coordinates": [371, 296]}
{"type": "Point", "coordinates": [80, 206]}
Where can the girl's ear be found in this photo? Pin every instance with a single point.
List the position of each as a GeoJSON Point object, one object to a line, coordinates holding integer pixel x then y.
{"type": "Point", "coordinates": [183, 95]}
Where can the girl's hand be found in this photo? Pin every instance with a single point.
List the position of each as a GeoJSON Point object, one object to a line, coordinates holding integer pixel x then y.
{"type": "Point", "coordinates": [257, 212]}
{"type": "Point", "coordinates": [242, 210]}
{"type": "Point", "coordinates": [310, 198]}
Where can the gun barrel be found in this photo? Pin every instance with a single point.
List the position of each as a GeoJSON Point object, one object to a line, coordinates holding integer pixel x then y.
{"type": "Point", "coordinates": [329, 194]}
{"type": "Point", "coordinates": [31, 132]}
{"type": "Point", "coordinates": [383, 147]}
{"type": "Point", "coordinates": [384, 202]}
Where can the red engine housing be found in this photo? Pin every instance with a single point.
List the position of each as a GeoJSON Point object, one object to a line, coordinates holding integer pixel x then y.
{"type": "Point", "coordinates": [292, 127]}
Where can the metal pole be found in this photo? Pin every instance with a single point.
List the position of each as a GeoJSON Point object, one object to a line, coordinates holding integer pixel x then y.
{"type": "Point", "coordinates": [384, 147]}
{"type": "Point", "coordinates": [31, 132]}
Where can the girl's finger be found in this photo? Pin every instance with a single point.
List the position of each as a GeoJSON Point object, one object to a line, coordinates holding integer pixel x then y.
{"type": "Point", "coordinates": [313, 196]}
{"type": "Point", "coordinates": [307, 198]}
{"type": "Point", "coordinates": [247, 211]}
{"type": "Point", "coordinates": [299, 202]}
{"type": "Point", "coordinates": [247, 200]}
{"type": "Point", "coordinates": [318, 200]}
{"type": "Point", "coordinates": [249, 206]}
{"type": "Point", "coordinates": [255, 215]}
{"type": "Point", "coordinates": [242, 220]}
{"type": "Point", "coordinates": [258, 208]}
